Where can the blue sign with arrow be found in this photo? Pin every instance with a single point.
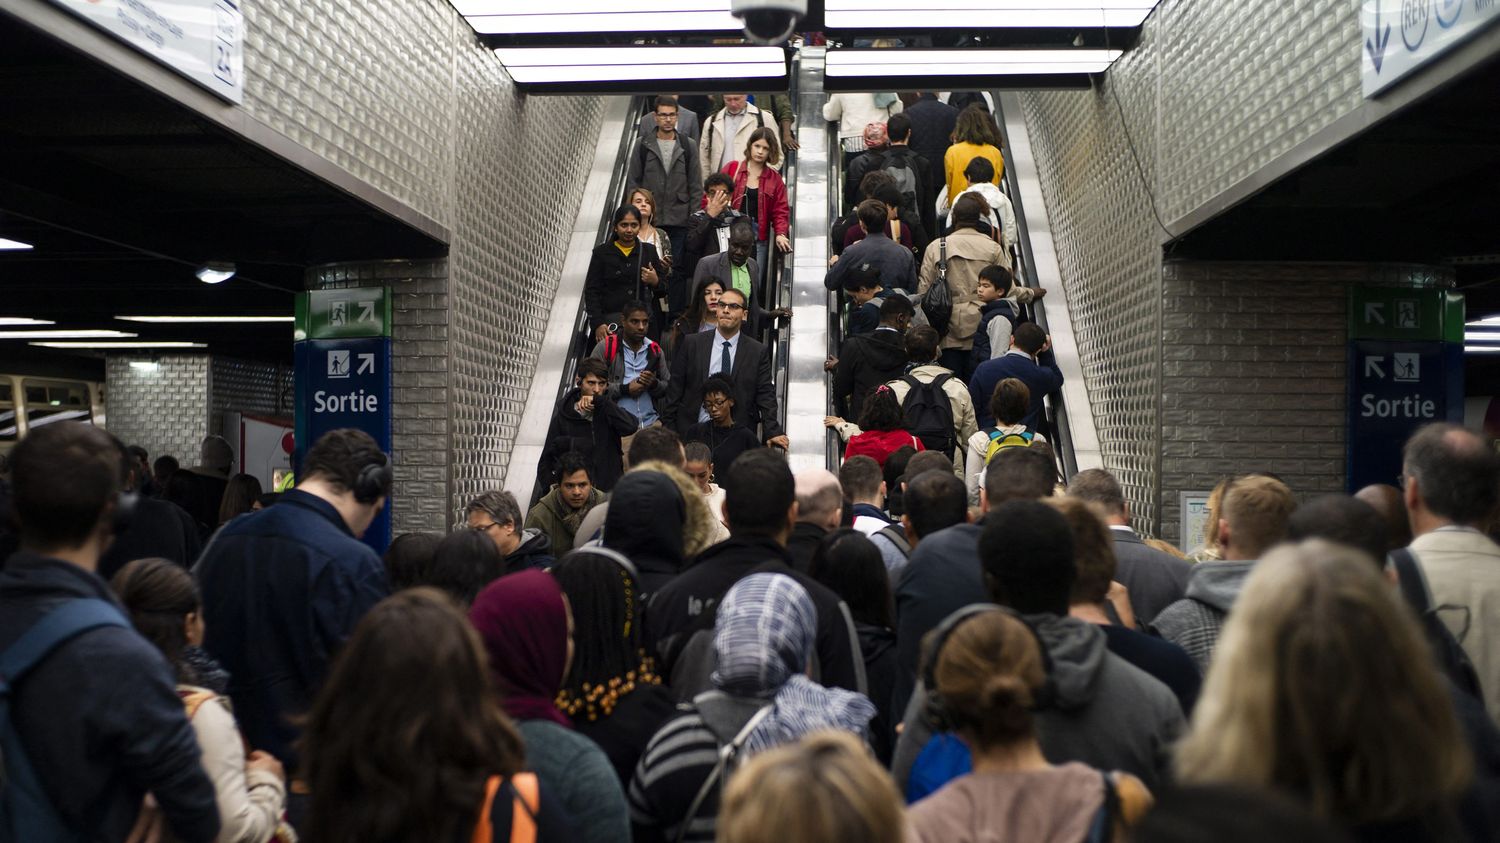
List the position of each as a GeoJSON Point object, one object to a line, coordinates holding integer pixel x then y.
{"type": "Point", "coordinates": [1395, 388]}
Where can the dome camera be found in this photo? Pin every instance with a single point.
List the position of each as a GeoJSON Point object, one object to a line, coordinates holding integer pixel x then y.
{"type": "Point", "coordinates": [769, 21]}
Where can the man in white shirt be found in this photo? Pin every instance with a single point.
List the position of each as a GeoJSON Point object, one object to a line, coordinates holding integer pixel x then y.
{"type": "Point", "coordinates": [727, 133]}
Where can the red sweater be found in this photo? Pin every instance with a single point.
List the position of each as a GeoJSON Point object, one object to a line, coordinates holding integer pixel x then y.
{"type": "Point", "coordinates": [774, 212]}
{"type": "Point", "coordinates": [879, 444]}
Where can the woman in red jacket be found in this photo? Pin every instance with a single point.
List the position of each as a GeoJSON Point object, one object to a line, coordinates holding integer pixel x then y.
{"type": "Point", "coordinates": [882, 428]}
{"type": "Point", "coordinates": [760, 193]}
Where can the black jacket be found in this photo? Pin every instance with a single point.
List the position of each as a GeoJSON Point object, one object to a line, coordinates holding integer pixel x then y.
{"type": "Point", "coordinates": [724, 444]}
{"type": "Point", "coordinates": [647, 526]}
{"type": "Point", "coordinates": [754, 390]}
{"type": "Point", "coordinates": [615, 279]}
{"type": "Point", "coordinates": [932, 123]}
{"type": "Point", "coordinates": [157, 529]}
{"type": "Point", "coordinates": [285, 587]}
{"type": "Point", "coordinates": [702, 240]}
{"type": "Point", "coordinates": [878, 647]}
{"type": "Point", "coordinates": [920, 167]}
{"type": "Point", "coordinates": [100, 719]}
{"type": "Point", "coordinates": [535, 551]}
{"type": "Point", "coordinates": [596, 437]}
{"type": "Point", "coordinates": [805, 539]}
{"type": "Point", "coordinates": [688, 603]}
{"type": "Point", "coordinates": [865, 362]}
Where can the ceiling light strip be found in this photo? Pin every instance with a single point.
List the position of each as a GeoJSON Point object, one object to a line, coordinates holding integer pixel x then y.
{"type": "Point", "coordinates": [79, 334]}
{"type": "Point", "coordinates": [189, 320]}
{"type": "Point", "coordinates": [633, 22]}
{"type": "Point", "coordinates": [141, 344]}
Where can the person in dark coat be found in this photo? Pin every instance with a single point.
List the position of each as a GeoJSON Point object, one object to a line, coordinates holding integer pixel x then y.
{"type": "Point", "coordinates": [498, 516]}
{"type": "Point", "coordinates": [704, 355]}
{"type": "Point", "coordinates": [157, 528]}
{"type": "Point", "coordinates": [623, 269]}
{"type": "Point", "coordinates": [869, 360]}
{"type": "Point", "coordinates": [932, 124]}
{"type": "Point", "coordinates": [707, 234]}
{"type": "Point", "coordinates": [1029, 360]}
{"type": "Point", "coordinates": [99, 718]}
{"type": "Point", "coordinates": [648, 526]}
{"type": "Point", "coordinates": [665, 162]}
{"type": "Point", "coordinates": [286, 585]}
{"type": "Point", "coordinates": [820, 510]}
{"type": "Point", "coordinates": [588, 422]}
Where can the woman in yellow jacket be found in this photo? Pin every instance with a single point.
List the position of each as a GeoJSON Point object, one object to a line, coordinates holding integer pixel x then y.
{"type": "Point", "coordinates": [974, 136]}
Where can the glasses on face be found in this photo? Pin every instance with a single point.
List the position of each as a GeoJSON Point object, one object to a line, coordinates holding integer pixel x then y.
{"type": "Point", "coordinates": [714, 403]}
{"type": "Point", "coordinates": [482, 528]}
{"type": "Point", "coordinates": [730, 305]}
{"type": "Point", "coordinates": [662, 115]}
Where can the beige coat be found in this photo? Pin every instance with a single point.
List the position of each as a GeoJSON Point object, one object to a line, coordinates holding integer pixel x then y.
{"type": "Point", "coordinates": [968, 253]}
{"type": "Point", "coordinates": [711, 144]}
{"type": "Point", "coordinates": [1462, 568]}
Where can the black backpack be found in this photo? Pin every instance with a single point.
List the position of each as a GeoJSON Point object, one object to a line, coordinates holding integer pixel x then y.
{"type": "Point", "coordinates": [1448, 649]}
{"type": "Point", "coordinates": [929, 414]}
{"type": "Point", "coordinates": [899, 168]}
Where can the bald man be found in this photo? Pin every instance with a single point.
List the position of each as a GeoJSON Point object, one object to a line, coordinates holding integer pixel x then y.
{"type": "Point", "coordinates": [820, 510]}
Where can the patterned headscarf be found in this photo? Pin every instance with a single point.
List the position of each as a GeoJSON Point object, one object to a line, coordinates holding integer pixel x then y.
{"type": "Point", "coordinates": [763, 638]}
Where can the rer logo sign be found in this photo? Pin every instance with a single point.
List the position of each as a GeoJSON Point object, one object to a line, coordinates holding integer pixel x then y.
{"type": "Point", "coordinates": [1399, 36]}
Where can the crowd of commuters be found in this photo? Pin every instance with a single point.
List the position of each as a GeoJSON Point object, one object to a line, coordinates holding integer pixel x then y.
{"type": "Point", "coordinates": [681, 639]}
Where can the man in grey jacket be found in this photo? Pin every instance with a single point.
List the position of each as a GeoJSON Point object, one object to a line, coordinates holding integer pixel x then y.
{"type": "Point", "coordinates": [1255, 515]}
{"type": "Point", "coordinates": [1100, 709]}
{"type": "Point", "coordinates": [1154, 580]}
{"type": "Point", "coordinates": [666, 163]}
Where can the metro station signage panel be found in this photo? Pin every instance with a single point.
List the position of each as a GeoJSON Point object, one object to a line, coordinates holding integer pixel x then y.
{"type": "Point", "coordinates": [200, 39]}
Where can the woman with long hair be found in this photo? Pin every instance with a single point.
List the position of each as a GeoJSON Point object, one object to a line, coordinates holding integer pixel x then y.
{"type": "Point", "coordinates": [881, 429]}
{"type": "Point", "coordinates": [702, 313]}
{"type": "Point", "coordinates": [527, 628]}
{"type": "Point", "coordinates": [645, 202]}
{"type": "Point", "coordinates": [611, 693]}
{"type": "Point", "coordinates": [989, 674]}
{"type": "Point", "coordinates": [623, 269]}
{"type": "Point", "coordinates": [851, 565]}
{"type": "Point", "coordinates": [407, 741]}
{"type": "Point", "coordinates": [241, 495]}
{"type": "Point", "coordinates": [760, 193]}
{"type": "Point", "coordinates": [1323, 687]}
{"type": "Point", "coordinates": [1009, 405]}
{"type": "Point", "coordinates": [164, 607]}
{"type": "Point", "coordinates": [975, 135]}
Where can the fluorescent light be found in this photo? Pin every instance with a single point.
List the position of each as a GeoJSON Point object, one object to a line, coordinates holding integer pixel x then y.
{"type": "Point", "coordinates": [507, 17]}
{"type": "Point", "coordinates": [633, 63]}
{"type": "Point", "coordinates": [195, 319]}
{"type": "Point", "coordinates": [1488, 322]}
{"type": "Point", "coordinates": [145, 365]}
{"type": "Point", "coordinates": [216, 272]}
{"type": "Point", "coordinates": [1482, 349]}
{"type": "Point", "coordinates": [89, 333]}
{"type": "Point", "coordinates": [13, 245]}
{"type": "Point", "coordinates": [902, 15]}
{"type": "Point", "coordinates": [958, 62]}
{"type": "Point", "coordinates": [141, 344]}
{"type": "Point", "coordinates": [1482, 336]}
{"type": "Point", "coordinates": [23, 320]}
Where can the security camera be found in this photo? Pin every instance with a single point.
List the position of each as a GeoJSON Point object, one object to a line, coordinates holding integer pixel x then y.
{"type": "Point", "coordinates": [769, 21]}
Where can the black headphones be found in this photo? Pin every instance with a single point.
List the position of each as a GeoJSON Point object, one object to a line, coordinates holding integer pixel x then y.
{"type": "Point", "coordinates": [936, 712]}
{"type": "Point", "coordinates": [611, 554]}
{"type": "Point", "coordinates": [374, 480]}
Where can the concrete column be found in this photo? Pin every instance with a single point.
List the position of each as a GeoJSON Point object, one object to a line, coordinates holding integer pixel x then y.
{"type": "Point", "coordinates": [422, 431]}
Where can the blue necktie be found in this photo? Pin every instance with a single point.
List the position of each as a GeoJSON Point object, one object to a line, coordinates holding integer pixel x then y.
{"type": "Point", "coordinates": [724, 364]}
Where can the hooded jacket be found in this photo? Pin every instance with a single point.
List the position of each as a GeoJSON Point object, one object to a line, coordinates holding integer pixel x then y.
{"type": "Point", "coordinates": [865, 362]}
{"type": "Point", "coordinates": [1097, 708]}
{"type": "Point", "coordinates": [1194, 622]}
{"type": "Point", "coordinates": [595, 436]}
{"type": "Point", "coordinates": [560, 522]}
{"type": "Point", "coordinates": [647, 526]}
{"type": "Point", "coordinates": [534, 551]}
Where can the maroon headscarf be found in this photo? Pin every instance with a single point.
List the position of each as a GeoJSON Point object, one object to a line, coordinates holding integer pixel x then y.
{"type": "Point", "coordinates": [524, 624]}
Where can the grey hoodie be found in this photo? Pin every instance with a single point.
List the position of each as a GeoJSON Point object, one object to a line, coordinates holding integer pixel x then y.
{"type": "Point", "coordinates": [1194, 622]}
{"type": "Point", "coordinates": [1104, 711]}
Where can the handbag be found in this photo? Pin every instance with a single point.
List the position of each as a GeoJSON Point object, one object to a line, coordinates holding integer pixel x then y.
{"type": "Point", "coordinates": [937, 302]}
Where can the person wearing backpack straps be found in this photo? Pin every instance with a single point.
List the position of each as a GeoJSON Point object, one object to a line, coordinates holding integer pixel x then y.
{"type": "Point", "coordinates": [90, 720]}
{"type": "Point", "coordinates": [910, 172]}
{"type": "Point", "coordinates": [727, 132]}
{"type": "Point", "coordinates": [455, 770]}
{"type": "Point", "coordinates": [763, 641]}
{"type": "Point", "coordinates": [958, 258]}
{"type": "Point", "coordinates": [1008, 404]}
{"type": "Point", "coordinates": [989, 674]}
{"type": "Point", "coordinates": [921, 392]}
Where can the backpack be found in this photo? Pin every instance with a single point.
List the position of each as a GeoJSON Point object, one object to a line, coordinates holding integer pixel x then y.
{"type": "Point", "coordinates": [725, 716]}
{"type": "Point", "coordinates": [26, 812]}
{"type": "Point", "coordinates": [526, 802]}
{"type": "Point", "coordinates": [937, 302]}
{"type": "Point", "coordinates": [1000, 441]}
{"type": "Point", "coordinates": [898, 168]}
{"type": "Point", "coordinates": [612, 349]}
{"type": "Point", "coordinates": [929, 414]}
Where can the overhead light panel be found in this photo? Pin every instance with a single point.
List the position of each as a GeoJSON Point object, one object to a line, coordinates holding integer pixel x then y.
{"type": "Point", "coordinates": [965, 62]}
{"type": "Point", "coordinates": [216, 272]}
{"type": "Point", "coordinates": [24, 320]}
{"type": "Point", "coordinates": [7, 245]}
{"type": "Point", "coordinates": [80, 334]}
{"type": "Point", "coordinates": [141, 344]}
{"type": "Point", "coordinates": [145, 365]}
{"type": "Point", "coordinates": [1482, 336]}
{"type": "Point", "coordinates": [903, 15]}
{"type": "Point", "coordinates": [575, 17]}
{"type": "Point", "coordinates": [1488, 322]}
{"type": "Point", "coordinates": [188, 320]}
{"type": "Point", "coordinates": [612, 67]}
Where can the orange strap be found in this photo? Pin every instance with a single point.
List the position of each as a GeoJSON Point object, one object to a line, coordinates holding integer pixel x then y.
{"type": "Point", "coordinates": [522, 814]}
{"type": "Point", "coordinates": [192, 700]}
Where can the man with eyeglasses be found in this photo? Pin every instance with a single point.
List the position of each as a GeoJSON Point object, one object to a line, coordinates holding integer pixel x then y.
{"type": "Point", "coordinates": [725, 437]}
{"type": "Point", "coordinates": [743, 361]}
{"type": "Point", "coordinates": [666, 163]}
{"type": "Point", "coordinates": [498, 516]}
{"type": "Point", "coordinates": [686, 119]}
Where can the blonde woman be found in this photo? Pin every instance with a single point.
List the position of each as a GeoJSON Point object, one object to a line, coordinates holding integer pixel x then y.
{"type": "Point", "coordinates": [1324, 688]}
{"type": "Point", "coordinates": [824, 789]}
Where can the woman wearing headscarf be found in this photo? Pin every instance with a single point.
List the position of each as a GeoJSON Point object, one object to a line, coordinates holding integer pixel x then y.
{"type": "Point", "coordinates": [762, 698]}
{"type": "Point", "coordinates": [526, 626]}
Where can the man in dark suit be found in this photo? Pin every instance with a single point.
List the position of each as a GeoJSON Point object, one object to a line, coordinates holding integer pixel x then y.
{"type": "Point", "coordinates": [1155, 580]}
{"type": "Point", "coordinates": [1030, 360]}
{"type": "Point", "coordinates": [727, 352]}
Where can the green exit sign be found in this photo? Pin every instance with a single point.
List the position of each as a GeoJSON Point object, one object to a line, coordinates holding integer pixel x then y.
{"type": "Point", "coordinates": [1405, 313]}
{"type": "Point", "coordinates": [339, 314]}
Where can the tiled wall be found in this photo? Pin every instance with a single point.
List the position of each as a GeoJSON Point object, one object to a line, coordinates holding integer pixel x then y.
{"type": "Point", "coordinates": [165, 409]}
{"type": "Point", "coordinates": [247, 386]}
